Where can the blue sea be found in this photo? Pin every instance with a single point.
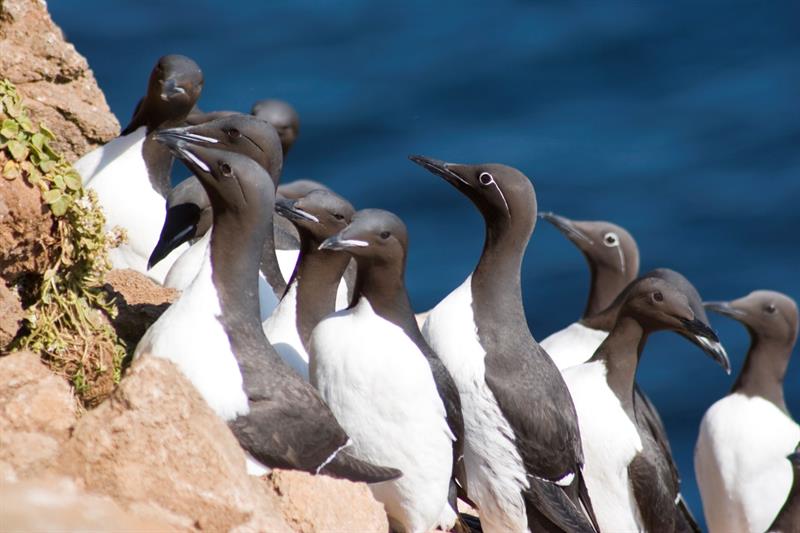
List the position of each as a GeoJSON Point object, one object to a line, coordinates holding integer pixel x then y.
{"type": "Point", "coordinates": [678, 120]}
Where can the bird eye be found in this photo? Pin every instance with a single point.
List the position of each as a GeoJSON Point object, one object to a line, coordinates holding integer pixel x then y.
{"type": "Point", "coordinates": [385, 234]}
{"type": "Point", "coordinates": [233, 133]}
{"type": "Point", "coordinates": [485, 178]}
{"type": "Point", "coordinates": [770, 308]}
{"type": "Point", "coordinates": [658, 297]}
{"type": "Point", "coordinates": [338, 216]}
{"type": "Point", "coordinates": [611, 239]}
{"type": "Point", "coordinates": [225, 169]}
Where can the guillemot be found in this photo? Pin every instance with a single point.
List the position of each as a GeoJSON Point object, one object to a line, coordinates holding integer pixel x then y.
{"type": "Point", "coordinates": [131, 173]}
{"type": "Point", "coordinates": [630, 489]}
{"type": "Point", "coordinates": [212, 332]}
{"type": "Point", "coordinates": [282, 116]}
{"type": "Point", "coordinates": [744, 437]}
{"type": "Point", "coordinates": [383, 382]}
{"type": "Point", "coordinates": [189, 208]}
{"type": "Point", "coordinates": [613, 259]}
{"type": "Point", "coordinates": [314, 290]}
{"type": "Point", "coordinates": [522, 449]}
{"type": "Point", "coordinates": [788, 519]}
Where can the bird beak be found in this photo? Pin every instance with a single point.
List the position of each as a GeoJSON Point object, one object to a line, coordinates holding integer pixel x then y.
{"type": "Point", "coordinates": [184, 134]}
{"type": "Point", "coordinates": [180, 226]}
{"type": "Point", "coordinates": [715, 350]}
{"type": "Point", "coordinates": [441, 169]}
{"type": "Point", "coordinates": [794, 456]}
{"type": "Point", "coordinates": [288, 209]}
{"type": "Point", "coordinates": [171, 89]}
{"type": "Point", "coordinates": [567, 227]}
{"type": "Point", "coordinates": [724, 309]}
{"type": "Point", "coordinates": [705, 337]}
{"type": "Point", "coordinates": [179, 145]}
{"type": "Point", "coordinates": [338, 243]}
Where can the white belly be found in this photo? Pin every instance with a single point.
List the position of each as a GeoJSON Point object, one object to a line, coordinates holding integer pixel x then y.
{"type": "Point", "coordinates": [380, 387]}
{"type": "Point", "coordinates": [740, 463]}
{"type": "Point", "coordinates": [281, 331]}
{"type": "Point", "coordinates": [495, 473]}
{"type": "Point", "coordinates": [129, 201]}
{"type": "Point", "coordinates": [190, 335]}
{"type": "Point", "coordinates": [573, 345]}
{"type": "Point", "coordinates": [610, 442]}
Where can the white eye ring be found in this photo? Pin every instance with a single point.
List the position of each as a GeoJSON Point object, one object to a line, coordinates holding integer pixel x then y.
{"type": "Point", "coordinates": [611, 239]}
{"type": "Point", "coordinates": [485, 179]}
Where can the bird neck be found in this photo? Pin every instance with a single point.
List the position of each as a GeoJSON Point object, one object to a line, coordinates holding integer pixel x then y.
{"type": "Point", "coordinates": [316, 278]}
{"type": "Point", "coordinates": [620, 352]}
{"type": "Point", "coordinates": [158, 162]}
{"type": "Point", "coordinates": [764, 370]}
{"type": "Point", "coordinates": [496, 281]}
{"type": "Point", "coordinates": [269, 264]}
{"type": "Point", "coordinates": [605, 285]}
{"type": "Point", "coordinates": [235, 255]}
{"type": "Point", "coordinates": [383, 286]}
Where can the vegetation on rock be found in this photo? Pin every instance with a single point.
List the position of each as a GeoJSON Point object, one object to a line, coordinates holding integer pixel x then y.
{"type": "Point", "coordinates": [67, 322]}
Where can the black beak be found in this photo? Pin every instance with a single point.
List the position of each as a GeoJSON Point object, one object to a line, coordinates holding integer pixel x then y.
{"type": "Point", "coordinates": [338, 243]}
{"type": "Point", "coordinates": [180, 225]}
{"type": "Point", "coordinates": [182, 134]}
{"type": "Point", "coordinates": [180, 146]}
{"type": "Point", "coordinates": [794, 457]}
{"type": "Point", "coordinates": [288, 209]}
{"type": "Point", "coordinates": [566, 227]}
{"type": "Point", "coordinates": [724, 309]}
{"type": "Point", "coordinates": [441, 169]}
{"type": "Point", "coordinates": [171, 89]}
{"type": "Point", "coordinates": [706, 338]}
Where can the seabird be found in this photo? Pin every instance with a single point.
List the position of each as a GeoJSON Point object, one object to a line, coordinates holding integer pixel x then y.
{"type": "Point", "coordinates": [613, 259]}
{"type": "Point", "coordinates": [188, 207]}
{"type": "Point", "coordinates": [384, 383]}
{"type": "Point", "coordinates": [283, 118]}
{"type": "Point", "coordinates": [131, 173]}
{"type": "Point", "coordinates": [740, 456]}
{"type": "Point", "coordinates": [212, 332]}
{"type": "Point", "coordinates": [788, 519]}
{"type": "Point", "coordinates": [314, 290]}
{"type": "Point", "coordinates": [522, 450]}
{"type": "Point", "coordinates": [631, 488]}
{"type": "Point", "coordinates": [294, 190]}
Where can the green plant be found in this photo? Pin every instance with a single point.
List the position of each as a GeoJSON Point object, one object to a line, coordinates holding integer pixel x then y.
{"type": "Point", "coordinates": [67, 323]}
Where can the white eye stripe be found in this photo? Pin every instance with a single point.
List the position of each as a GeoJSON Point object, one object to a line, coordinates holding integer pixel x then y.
{"type": "Point", "coordinates": [485, 178]}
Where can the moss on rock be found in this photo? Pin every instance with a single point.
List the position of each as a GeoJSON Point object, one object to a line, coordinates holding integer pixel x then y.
{"type": "Point", "coordinates": [67, 321]}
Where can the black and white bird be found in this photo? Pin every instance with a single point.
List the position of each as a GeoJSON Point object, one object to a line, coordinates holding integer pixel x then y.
{"type": "Point", "coordinates": [740, 456]}
{"type": "Point", "coordinates": [189, 208]}
{"type": "Point", "coordinates": [214, 336]}
{"type": "Point", "coordinates": [131, 173]}
{"type": "Point", "coordinates": [630, 487]}
{"type": "Point", "coordinates": [384, 384]}
{"type": "Point", "coordinates": [788, 519]}
{"type": "Point", "coordinates": [613, 259]}
{"type": "Point", "coordinates": [522, 450]}
{"type": "Point", "coordinates": [315, 290]}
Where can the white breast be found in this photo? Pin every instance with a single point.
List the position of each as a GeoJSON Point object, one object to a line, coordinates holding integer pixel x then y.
{"type": "Point", "coordinates": [740, 463]}
{"type": "Point", "coordinates": [380, 387]}
{"type": "Point", "coordinates": [118, 175]}
{"type": "Point", "coordinates": [495, 472]}
{"type": "Point", "coordinates": [610, 442]}
{"type": "Point", "coordinates": [573, 345]}
{"type": "Point", "coordinates": [190, 335]}
{"type": "Point", "coordinates": [287, 259]}
{"type": "Point", "coordinates": [281, 331]}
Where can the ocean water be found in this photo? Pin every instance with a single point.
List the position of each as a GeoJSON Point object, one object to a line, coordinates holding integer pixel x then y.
{"type": "Point", "coordinates": [678, 120]}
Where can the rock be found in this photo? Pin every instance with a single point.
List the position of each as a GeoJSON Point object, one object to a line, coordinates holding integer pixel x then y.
{"type": "Point", "coordinates": [155, 444]}
{"type": "Point", "coordinates": [55, 80]}
{"type": "Point", "coordinates": [25, 229]}
{"type": "Point", "coordinates": [140, 301]}
{"type": "Point", "coordinates": [312, 504]}
{"type": "Point", "coordinates": [58, 505]}
{"type": "Point", "coordinates": [37, 413]}
{"type": "Point", "coordinates": [11, 314]}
